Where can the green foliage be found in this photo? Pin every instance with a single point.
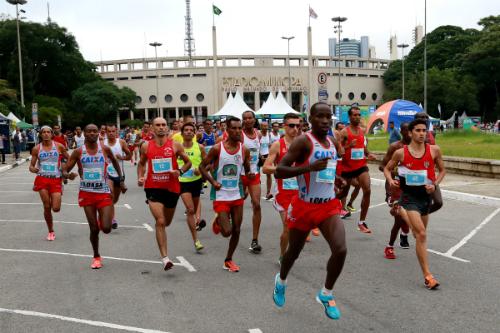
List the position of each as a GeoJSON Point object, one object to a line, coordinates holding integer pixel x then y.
{"type": "Point", "coordinates": [47, 115]}
{"type": "Point", "coordinates": [132, 123]}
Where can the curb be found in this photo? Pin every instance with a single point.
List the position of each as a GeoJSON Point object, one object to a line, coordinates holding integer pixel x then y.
{"type": "Point", "coordinates": [16, 164]}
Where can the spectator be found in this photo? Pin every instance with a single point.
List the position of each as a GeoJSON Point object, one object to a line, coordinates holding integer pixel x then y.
{"type": "Point", "coordinates": [24, 140]}
{"type": "Point", "coordinates": [16, 141]}
{"type": "Point", "coordinates": [2, 147]}
{"type": "Point", "coordinates": [30, 139]}
{"type": "Point", "coordinates": [394, 135]}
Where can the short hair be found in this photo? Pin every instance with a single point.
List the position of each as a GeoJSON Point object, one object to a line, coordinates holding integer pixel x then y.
{"type": "Point", "coordinates": [184, 118]}
{"type": "Point", "coordinates": [253, 113]}
{"type": "Point", "coordinates": [111, 125]}
{"type": "Point", "coordinates": [290, 115]}
{"type": "Point", "coordinates": [275, 123]}
{"type": "Point", "coordinates": [404, 125]}
{"type": "Point", "coordinates": [391, 122]}
{"type": "Point", "coordinates": [421, 114]}
{"type": "Point", "coordinates": [231, 119]}
{"type": "Point", "coordinates": [206, 121]}
{"type": "Point", "coordinates": [147, 123]}
{"type": "Point", "coordinates": [186, 125]}
{"type": "Point", "coordinates": [349, 112]}
{"type": "Point", "coordinates": [337, 125]}
{"type": "Point", "coordinates": [416, 122]}
{"type": "Point", "coordinates": [315, 106]}
{"type": "Point", "coordinates": [88, 125]}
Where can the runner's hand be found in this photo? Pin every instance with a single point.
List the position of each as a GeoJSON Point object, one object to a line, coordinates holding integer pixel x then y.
{"type": "Point", "coordinates": [34, 169]}
{"type": "Point", "coordinates": [123, 187]}
{"type": "Point", "coordinates": [353, 143]}
{"type": "Point", "coordinates": [217, 186]}
{"type": "Point", "coordinates": [430, 188]}
{"type": "Point", "coordinates": [196, 172]}
{"type": "Point", "coordinates": [251, 176]}
{"type": "Point", "coordinates": [319, 165]}
{"type": "Point", "coordinates": [394, 183]}
{"type": "Point", "coordinates": [72, 176]}
{"type": "Point", "coordinates": [371, 157]}
{"type": "Point", "coordinates": [140, 181]}
{"type": "Point", "coordinates": [175, 173]}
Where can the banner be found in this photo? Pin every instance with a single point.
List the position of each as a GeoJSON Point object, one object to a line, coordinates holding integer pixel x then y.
{"type": "Point", "coordinates": [34, 114]}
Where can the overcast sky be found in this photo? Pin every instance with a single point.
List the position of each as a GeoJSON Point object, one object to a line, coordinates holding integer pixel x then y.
{"type": "Point", "coordinates": [120, 29]}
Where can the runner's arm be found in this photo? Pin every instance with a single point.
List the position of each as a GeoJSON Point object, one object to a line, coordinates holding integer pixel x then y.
{"type": "Point", "coordinates": [207, 161]}
{"type": "Point", "coordinates": [299, 148]}
{"type": "Point", "coordinates": [246, 163]}
{"type": "Point", "coordinates": [141, 166]}
{"type": "Point", "coordinates": [128, 154]}
{"type": "Point", "coordinates": [396, 158]}
{"type": "Point", "coordinates": [73, 159]}
{"type": "Point", "coordinates": [269, 166]}
{"type": "Point", "coordinates": [179, 151]}
{"type": "Point", "coordinates": [34, 159]}
{"type": "Point", "coordinates": [388, 155]}
{"type": "Point", "coordinates": [438, 160]}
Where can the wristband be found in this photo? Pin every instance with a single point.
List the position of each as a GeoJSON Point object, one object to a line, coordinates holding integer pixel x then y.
{"type": "Point", "coordinates": [181, 172]}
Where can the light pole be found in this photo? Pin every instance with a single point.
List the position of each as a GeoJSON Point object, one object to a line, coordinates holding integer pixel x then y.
{"type": "Point", "coordinates": [289, 96]}
{"type": "Point", "coordinates": [403, 46]}
{"type": "Point", "coordinates": [425, 55]}
{"type": "Point", "coordinates": [338, 29]}
{"type": "Point", "coordinates": [159, 112]}
{"type": "Point", "coordinates": [17, 3]}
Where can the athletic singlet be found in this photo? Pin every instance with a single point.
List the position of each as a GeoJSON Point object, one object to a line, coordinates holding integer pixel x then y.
{"type": "Point", "coordinates": [194, 154]}
{"type": "Point", "coordinates": [161, 163]}
{"type": "Point", "coordinates": [286, 185]}
{"type": "Point", "coordinates": [228, 172]}
{"type": "Point", "coordinates": [146, 136]}
{"type": "Point", "coordinates": [264, 144]}
{"type": "Point", "coordinates": [94, 174]}
{"type": "Point", "coordinates": [49, 162]}
{"type": "Point", "coordinates": [116, 149]}
{"type": "Point", "coordinates": [79, 140]}
{"type": "Point", "coordinates": [354, 158]}
{"type": "Point", "coordinates": [415, 172]}
{"type": "Point", "coordinates": [253, 145]}
{"type": "Point", "coordinates": [273, 138]}
{"type": "Point", "coordinates": [207, 140]}
{"type": "Point", "coordinates": [318, 186]}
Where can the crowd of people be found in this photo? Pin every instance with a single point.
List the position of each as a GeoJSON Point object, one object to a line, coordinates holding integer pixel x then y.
{"type": "Point", "coordinates": [313, 171]}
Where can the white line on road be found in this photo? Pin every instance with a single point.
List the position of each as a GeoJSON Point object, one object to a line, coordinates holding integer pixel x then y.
{"type": "Point", "coordinates": [182, 262]}
{"type": "Point", "coordinates": [80, 321]}
{"type": "Point", "coordinates": [254, 330]}
{"type": "Point", "coordinates": [447, 256]}
{"type": "Point", "coordinates": [127, 206]}
{"type": "Point", "coordinates": [148, 227]}
{"type": "Point", "coordinates": [39, 203]}
{"type": "Point", "coordinates": [372, 206]}
{"type": "Point", "coordinates": [71, 222]}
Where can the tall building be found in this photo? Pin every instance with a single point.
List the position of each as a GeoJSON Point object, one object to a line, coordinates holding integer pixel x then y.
{"type": "Point", "coordinates": [418, 34]}
{"type": "Point", "coordinates": [371, 52]}
{"type": "Point", "coordinates": [349, 47]}
{"type": "Point", "coordinates": [393, 48]}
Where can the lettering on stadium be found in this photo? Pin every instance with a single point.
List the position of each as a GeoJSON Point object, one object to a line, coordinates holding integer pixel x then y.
{"type": "Point", "coordinates": [272, 83]}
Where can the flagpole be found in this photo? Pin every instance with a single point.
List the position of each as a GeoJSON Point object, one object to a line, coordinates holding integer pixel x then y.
{"type": "Point", "coordinates": [309, 14]}
{"type": "Point", "coordinates": [213, 15]}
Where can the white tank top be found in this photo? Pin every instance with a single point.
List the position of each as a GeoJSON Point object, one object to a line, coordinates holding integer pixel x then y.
{"type": "Point", "coordinates": [253, 145]}
{"type": "Point", "coordinates": [229, 169]}
{"type": "Point", "coordinates": [273, 138]}
{"type": "Point", "coordinates": [49, 162]}
{"type": "Point", "coordinates": [264, 144]}
{"type": "Point", "coordinates": [79, 140]}
{"type": "Point", "coordinates": [94, 174]}
{"type": "Point", "coordinates": [318, 186]}
{"type": "Point", "coordinates": [116, 149]}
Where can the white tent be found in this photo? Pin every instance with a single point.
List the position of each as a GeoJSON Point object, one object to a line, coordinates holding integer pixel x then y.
{"type": "Point", "coordinates": [267, 106]}
{"type": "Point", "coordinates": [234, 107]}
{"type": "Point", "coordinates": [13, 118]}
{"type": "Point", "coordinates": [277, 106]}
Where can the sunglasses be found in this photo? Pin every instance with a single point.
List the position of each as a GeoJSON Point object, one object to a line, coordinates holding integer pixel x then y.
{"type": "Point", "coordinates": [293, 125]}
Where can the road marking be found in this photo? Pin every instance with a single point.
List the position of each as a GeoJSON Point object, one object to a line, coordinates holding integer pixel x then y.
{"type": "Point", "coordinates": [80, 321]}
{"type": "Point", "coordinates": [447, 255]}
{"type": "Point", "coordinates": [254, 330]}
{"type": "Point", "coordinates": [127, 206]}
{"type": "Point", "coordinates": [148, 227]}
{"type": "Point", "coordinates": [71, 222]}
{"type": "Point", "coordinates": [372, 206]}
{"type": "Point", "coordinates": [7, 191]}
{"type": "Point", "coordinates": [182, 262]}
{"type": "Point", "coordinates": [39, 203]}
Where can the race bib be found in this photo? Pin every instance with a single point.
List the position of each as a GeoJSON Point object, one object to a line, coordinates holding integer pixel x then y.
{"type": "Point", "coordinates": [207, 149]}
{"type": "Point", "coordinates": [49, 167]}
{"type": "Point", "coordinates": [264, 146]}
{"type": "Point", "coordinates": [254, 156]}
{"type": "Point", "coordinates": [189, 173]}
{"type": "Point", "coordinates": [416, 177]}
{"type": "Point", "coordinates": [357, 153]}
{"type": "Point", "coordinates": [112, 171]}
{"type": "Point", "coordinates": [290, 184]}
{"type": "Point", "coordinates": [327, 175]}
{"type": "Point", "coordinates": [162, 165]}
{"type": "Point", "coordinates": [229, 183]}
{"type": "Point", "coordinates": [92, 175]}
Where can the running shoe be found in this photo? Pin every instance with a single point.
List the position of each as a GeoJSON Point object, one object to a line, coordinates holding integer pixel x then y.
{"type": "Point", "coordinates": [96, 263]}
{"type": "Point", "coordinates": [430, 282]}
{"type": "Point", "coordinates": [168, 265]}
{"type": "Point", "coordinates": [268, 197]}
{"type": "Point", "coordinates": [202, 224]}
{"type": "Point", "coordinates": [216, 226]}
{"type": "Point", "coordinates": [114, 224]}
{"type": "Point", "coordinates": [279, 292]}
{"type": "Point", "coordinates": [255, 247]}
{"type": "Point", "coordinates": [51, 236]}
{"type": "Point", "coordinates": [315, 232]}
{"type": "Point", "coordinates": [364, 228]}
{"type": "Point", "coordinates": [403, 242]}
{"type": "Point", "coordinates": [350, 208]}
{"type": "Point", "coordinates": [198, 246]}
{"type": "Point", "coordinates": [389, 253]}
{"type": "Point", "coordinates": [328, 302]}
{"type": "Point", "coordinates": [345, 214]}
{"type": "Point", "coordinates": [308, 238]}
{"type": "Point", "coordinates": [231, 266]}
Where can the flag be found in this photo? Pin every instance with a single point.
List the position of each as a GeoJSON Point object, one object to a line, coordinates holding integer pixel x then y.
{"type": "Point", "coordinates": [312, 13]}
{"type": "Point", "coordinates": [439, 109]}
{"type": "Point", "coordinates": [216, 10]}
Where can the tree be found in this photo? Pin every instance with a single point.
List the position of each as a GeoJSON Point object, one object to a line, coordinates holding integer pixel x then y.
{"type": "Point", "coordinates": [47, 115]}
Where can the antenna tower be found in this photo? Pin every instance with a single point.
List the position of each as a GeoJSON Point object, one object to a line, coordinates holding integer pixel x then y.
{"type": "Point", "coordinates": [189, 40]}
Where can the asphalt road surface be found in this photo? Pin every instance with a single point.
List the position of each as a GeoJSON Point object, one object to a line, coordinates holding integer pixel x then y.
{"type": "Point", "coordinates": [49, 286]}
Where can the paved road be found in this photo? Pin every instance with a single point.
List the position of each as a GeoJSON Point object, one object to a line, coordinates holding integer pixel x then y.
{"type": "Point", "coordinates": [53, 291]}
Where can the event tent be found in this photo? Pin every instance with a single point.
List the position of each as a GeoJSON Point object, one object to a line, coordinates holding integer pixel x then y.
{"type": "Point", "coordinates": [233, 107]}
{"type": "Point", "coordinates": [275, 107]}
{"type": "Point", "coordinates": [397, 111]}
{"type": "Point", "coordinates": [13, 117]}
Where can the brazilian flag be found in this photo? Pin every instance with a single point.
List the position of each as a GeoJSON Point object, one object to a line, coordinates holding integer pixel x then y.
{"type": "Point", "coordinates": [216, 10]}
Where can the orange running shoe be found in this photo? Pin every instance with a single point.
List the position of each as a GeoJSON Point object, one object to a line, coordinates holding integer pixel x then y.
{"type": "Point", "coordinates": [231, 266]}
{"type": "Point", "coordinates": [51, 236]}
{"type": "Point", "coordinates": [431, 283]}
{"type": "Point", "coordinates": [364, 228]}
{"type": "Point", "coordinates": [216, 226]}
{"type": "Point", "coordinates": [315, 232]}
{"type": "Point", "coordinates": [389, 253]}
{"type": "Point", "coordinates": [308, 239]}
{"type": "Point", "coordinates": [96, 263]}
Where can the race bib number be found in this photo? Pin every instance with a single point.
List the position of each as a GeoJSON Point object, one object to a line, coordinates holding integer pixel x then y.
{"type": "Point", "coordinates": [416, 177]}
{"type": "Point", "coordinates": [264, 146]}
{"type": "Point", "coordinates": [92, 175]}
{"type": "Point", "coordinates": [112, 171]}
{"type": "Point", "coordinates": [49, 167]}
{"type": "Point", "coordinates": [229, 183]}
{"type": "Point", "coordinates": [188, 174]}
{"type": "Point", "coordinates": [357, 153]}
{"type": "Point", "coordinates": [327, 175]}
{"type": "Point", "coordinates": [290, 184]}
{"type": "Point", "coordinates": [254, 156]}
{"type": "Point", "coordinates": [162, 165]}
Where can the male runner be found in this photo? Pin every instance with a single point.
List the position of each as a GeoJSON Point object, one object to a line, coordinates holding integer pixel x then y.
{"type": "Point", "coordinates": [59, 137]}
{"type": "Point", "coordinates": [392, 196]}
{"type": "Point", "coordinates": [46, 162]}
{"type": "Point", "coordinates": [286, 188]}
{"type": "Point", "coordinates": [191, 182]}
{"type": "Point", "coordinates": [274, 135]}
{"type": "Point", "coordinates": [228, 159]}
{"type": "Point", "coordinates": [417, 180]}
{"type": "Point", "coordinates": [354, 164]}
{"type": "Point", "coordinates": [312, 159]}
{"type": "Point", "coordinates": [265, 143]}
{"type": "Point", "coordinates": [102, 133]}
{"type": "Point", "coordinates": [79, 138]}
{"type": "Point", "coordinates": [162, 181]}
{"type": "Point", "coordinates": [251, 140]}
{"type": "Point", "coordinates": [120, 149]}
{"type": "Point", "coordinates": [177, 137]}
{"type": "Point", "coordinates": [208, 138]}
{"type": "Point", "coordinates": [146, 133]}
{"type": "Point", "coordinates": [95, 195]}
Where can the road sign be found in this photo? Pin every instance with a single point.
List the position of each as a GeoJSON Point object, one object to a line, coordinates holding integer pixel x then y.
{"type": "Point", "coordinates": [322, 78]}
{"type": "Point", "coordinates": [34, 114]}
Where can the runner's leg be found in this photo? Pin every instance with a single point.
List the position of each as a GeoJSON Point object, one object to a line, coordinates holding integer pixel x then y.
{"type": "Point", "coordinates": [334, 233]}
{"type": "Point", "coordinates": [47, 213]}
{"type": "Point", "coordinates": [91, 214]}
{"type": "Point", "coordinates": [437, 200]}
{"type": "Point", "coordinates": [417, 225]}
{"type": "Point", "coordinates": [296, 241]}
{"type": "Point", "coordinates": [188, 201]}
{"type": "Point", "coordinates": [157, 211]}
{"type": "Point", "coordinates": [236, 218]}
{"type": "Point", "coordinates": [284, 234]}
{"type": "Point", "coordinates": [255, 194]}
{"type": "Point", "coordinates": [364, 182]}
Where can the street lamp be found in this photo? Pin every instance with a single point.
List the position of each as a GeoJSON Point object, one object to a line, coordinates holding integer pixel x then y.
{"type": "Point", "coordinates": [289, 97]}
{"type": "Point", "coordinates": [338, 29]}
{"type": "Point", "coordinates": [403, 46]}
{"type": "Point", "coordinates": [425, 55]}
{"type": "Point", "coordinates": [17, 3]}
{"type": "Point", "coordinates": [159, 113]}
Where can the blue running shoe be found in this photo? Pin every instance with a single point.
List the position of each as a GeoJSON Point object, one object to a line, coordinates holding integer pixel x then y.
{"type": "Point", "coordinates": [279, 292]}
{"type": "Point", "coordinates": [331, 309]}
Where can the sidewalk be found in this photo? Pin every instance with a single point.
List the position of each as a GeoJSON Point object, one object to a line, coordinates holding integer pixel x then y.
{"type": "Point", "coordinates": [10, 162]}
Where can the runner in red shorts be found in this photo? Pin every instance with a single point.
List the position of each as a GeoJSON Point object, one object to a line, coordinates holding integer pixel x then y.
{"type": "Point", "coordinates": [95, 194]}
{"type": "Point", "coordinates": [46, 160]}
{"type": "Point", "coordinates": [228, 159]}
{"type": "Point", "coordinates": [287, 188]}
{"type": "Point", "coordinates": [312, 158]}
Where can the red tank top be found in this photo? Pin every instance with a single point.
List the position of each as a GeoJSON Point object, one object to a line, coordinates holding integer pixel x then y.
{"type": "Point", "coordinates": [147, 136]}
{"type": "Point", "coordinates": [424, 163]}
{"type": "Point", "coordinates": [60, 139]}
{"type": "Point", "coordinates": [161, 161]}
{"type": "Point", "coordinates": [291, 185]}
{"type": "Point", "coordinates": [354, 157]}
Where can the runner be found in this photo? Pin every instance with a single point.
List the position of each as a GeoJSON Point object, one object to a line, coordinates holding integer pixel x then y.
{"type": "Point", "coordinates": [228, 159]}
{"type": "Point", "coordinates": [79, 137]}
{"type": "Point", "coordinates": [251, 140]}
{"type": "Point", "coordinates": [102, 133]}
{"type": "Point", "coordinates": [274, 135]}
{"type": "Point", "coordinates": [95, 195]}
{"type": "Point", "coordinates": [354, 163]}
{"type": "Point", "coordinates": [191, 182]}
{"type": "Point", "coordinates": [264, 152]}
{"type": "Point", "coordinates": [416, 163]}
{"type": "Point", "coordinates": [208, 137]}
{"type": "Point", "coordinates": [392, 196]}
{"type": "Point", "coordinates": [312, 158]}
{"type": "Point", "coordinates": [177, 137]}
{"type": "Point", "coordinates": [286, 188]}
{"type": "Point", "coordinates": [59, 137]}
{"type": "Point", "coordinates": [146, 133]}
{"type": "Point", "coordinates": [122, 153]}
{"type": "Point", "coordinates": [46, 162]}
{"type": "Point", "coordinates": [161, 184]}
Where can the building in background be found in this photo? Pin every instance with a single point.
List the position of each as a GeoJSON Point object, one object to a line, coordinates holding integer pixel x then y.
{"type": "Point", "coordinates": [418, 34]}
{"type": "Point", "coordinates": [349, 47]}
{"type": "Point", "coordinates": [393, 48]}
